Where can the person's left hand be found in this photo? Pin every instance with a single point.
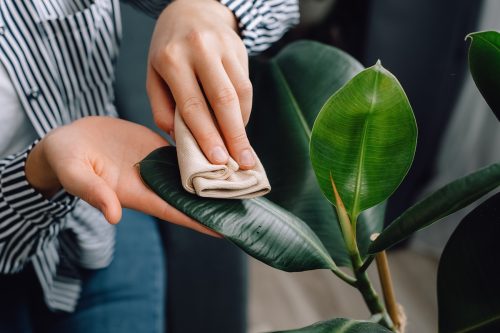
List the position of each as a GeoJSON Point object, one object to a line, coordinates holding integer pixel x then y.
{"type": "Point", "coordinates": [196, 53]}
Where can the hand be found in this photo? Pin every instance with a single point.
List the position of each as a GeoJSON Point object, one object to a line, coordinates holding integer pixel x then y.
{"type": "Point", "coordinates": [196, 52]}
{"type": "Point", "coordinates": [94, 159]}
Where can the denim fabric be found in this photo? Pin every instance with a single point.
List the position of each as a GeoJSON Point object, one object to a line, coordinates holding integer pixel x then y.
{"type": "Point", "coordinates": [127, 296]}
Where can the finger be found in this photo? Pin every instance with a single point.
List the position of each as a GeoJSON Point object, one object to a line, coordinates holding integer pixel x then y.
{"type": "Point", "coordinates": [224, 101]}
{"type": "Point", "coordinates": [80, 180]}
{"type": "Point", "coordinates": [238, 74]}
{"type": "Point", "coordinates": [194, 110]}
{"type": "Point", "coordinates": [148, 202]}
{"type": "Point", "coordinates": [161, 100]}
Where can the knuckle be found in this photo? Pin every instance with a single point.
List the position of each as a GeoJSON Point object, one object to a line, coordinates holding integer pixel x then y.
{"type": "Point", "coordinates": [168, 55]}
{"type": "Point", "coordinates": [191, 107]}
{"type": "Point", "coordinates": [224, 97]}
{"type": "Point", "coordinates": [208, 137]}
{"type": "Point", "coordinates": [245, 88]}
{"type": "Point", "coordinates": [238, 139]}
{"type": "Point", "coordinates": [198, 39]}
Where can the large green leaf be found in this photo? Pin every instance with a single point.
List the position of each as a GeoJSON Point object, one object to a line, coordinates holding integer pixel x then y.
{"type": "Point", "coordinates": [484, 64]}
{"type": "Point", "coordinates": [259, 227]}
{"type": "Point", "coordinates": [341, 325]}
{"type": "Point", "coordinates": [365, 138]}
{"type": "Point", "coordinates": [289, 91]}
{"type": "Point", "coordinates": [468, 285]}
{"type": "Point", "coordinates": [448, 199]}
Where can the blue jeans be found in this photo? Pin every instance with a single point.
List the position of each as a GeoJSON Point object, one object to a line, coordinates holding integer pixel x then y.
{"type": "Point", "coordinates": [127, 296]}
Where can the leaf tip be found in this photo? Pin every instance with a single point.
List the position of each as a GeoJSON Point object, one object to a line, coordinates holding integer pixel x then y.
{"type": "Point", "coordinates": [379, 68]}
{"type": "Point", "coordinates": [378, 65]}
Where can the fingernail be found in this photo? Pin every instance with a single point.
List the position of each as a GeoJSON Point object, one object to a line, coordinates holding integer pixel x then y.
{"type": "Point", "coordinates": [218, 155]}
{"type": "Point", "coordinates": [246, 158]}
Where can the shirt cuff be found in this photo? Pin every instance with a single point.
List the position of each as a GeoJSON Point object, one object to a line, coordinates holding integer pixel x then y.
{"type": "Point", "coordinates": [263, 22]}
{"type": "Point", "coordinates": [25, 200]}
{"type": "Point", "coordinates": [152, 8]}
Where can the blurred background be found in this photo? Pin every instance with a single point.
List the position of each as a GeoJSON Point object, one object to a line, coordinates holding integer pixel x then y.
{"type": "Point", "coordinates": [213, 287]}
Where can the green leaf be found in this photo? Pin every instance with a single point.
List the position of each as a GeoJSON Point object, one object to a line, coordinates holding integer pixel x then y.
{"type": "Point", "coordinates": [468, 285]}
{"type": "Point", "coordinates": [262, 229]}
{"type": "Point", "coordinates": [289, 91]}
{"type": "Point", "coordinates": [445, 201]}
{"type": "Point", "coordinates": [341, 325]}
{"type": "Point", "coordinates": [365, 136]}
{"type": "Point", "coordinates": [484, 64]}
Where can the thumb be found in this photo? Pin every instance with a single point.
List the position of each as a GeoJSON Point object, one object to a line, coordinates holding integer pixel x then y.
{"type": "Point", "coordinates": [84, 183]}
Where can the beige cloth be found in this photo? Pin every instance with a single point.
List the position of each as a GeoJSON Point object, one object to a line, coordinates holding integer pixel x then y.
{"type": "Point", "coordinates": [205, 179]}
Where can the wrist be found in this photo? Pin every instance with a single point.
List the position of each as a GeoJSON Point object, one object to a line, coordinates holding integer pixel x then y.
{"type": "Point", "coordinates": [39, 173]}
{"type": "Point", "coordinates": [228, 16]}
{"type": "Point", "coordinates": [221, 12]}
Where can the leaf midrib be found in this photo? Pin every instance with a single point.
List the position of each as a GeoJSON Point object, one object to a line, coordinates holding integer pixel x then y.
{"type": "Point", "coordinates": [361, 157]}
{"type": "Point", "coordinates": [296, 107]}
{"type": "Point", "coordinates": [262, 203]}
{"type": "Point", "coordinates": [346, 327]}
{"type": "Point", "coordinates": [322, 252]}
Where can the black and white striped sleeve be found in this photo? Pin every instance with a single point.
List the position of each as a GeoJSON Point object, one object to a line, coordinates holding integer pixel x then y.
{"type": "Point", "coordinates": [261, 22]}
{"type": "Point", "coordinates": [152, 8]}
{"type": "Point", "coordinates": [28, 221]}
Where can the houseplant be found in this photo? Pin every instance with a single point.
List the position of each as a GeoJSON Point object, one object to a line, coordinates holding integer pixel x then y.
{"type": "Point", "coordinates": [359, 150]}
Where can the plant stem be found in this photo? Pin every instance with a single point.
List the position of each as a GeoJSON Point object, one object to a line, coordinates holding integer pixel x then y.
{"type": "Point", "coordinates": [387, 288]}
{"type": "Point", "coordinates": [344, 277]}
{"type": "Point", "coordinates": [362, 283]}
{"type": "Point", "coordinates": [369, 294]}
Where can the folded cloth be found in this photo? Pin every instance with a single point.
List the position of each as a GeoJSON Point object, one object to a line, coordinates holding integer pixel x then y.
{"type": "Point", "coordinates": [205, 179]}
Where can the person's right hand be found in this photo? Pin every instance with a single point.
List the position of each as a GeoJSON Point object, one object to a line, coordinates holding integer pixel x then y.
{"type": "Point", "coordinates": [198, 65]}
{"type": "Point", "coordinates": [95, 159]}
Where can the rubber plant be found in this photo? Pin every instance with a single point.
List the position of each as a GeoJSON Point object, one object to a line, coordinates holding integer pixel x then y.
{"type": "Point", "coordinates": [336, 141]}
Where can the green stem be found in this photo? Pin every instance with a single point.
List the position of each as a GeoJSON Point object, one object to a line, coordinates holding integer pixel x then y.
{"type": "Point", "coordinates": [345, 277]}
{"type": "Point", "coordinates": [348, 226]}
{"type": "Point", "coordinates": [363, 283]}
{"type": "Point", "coordinates": [372, 300]}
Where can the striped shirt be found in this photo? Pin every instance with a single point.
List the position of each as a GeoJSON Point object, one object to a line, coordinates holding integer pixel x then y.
{"type": "Point", "coordinates": [60, 55]}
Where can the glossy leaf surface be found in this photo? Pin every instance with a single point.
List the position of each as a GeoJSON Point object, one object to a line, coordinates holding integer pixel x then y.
{"type": "Point", "coordinates": [445, 201]}
{"type": "Point", "coordinates": [484, 64]}
{"type": "Point", "coordinates": [341, 325]}
{"type": "Point", "coordinates": [468, 288]}
{"type": "Point", "coordinates": [289, 91]}
{"type": "Point", "coordinates": [262, 229]}
{"type": "Point", "coordinates": [365, 137]}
